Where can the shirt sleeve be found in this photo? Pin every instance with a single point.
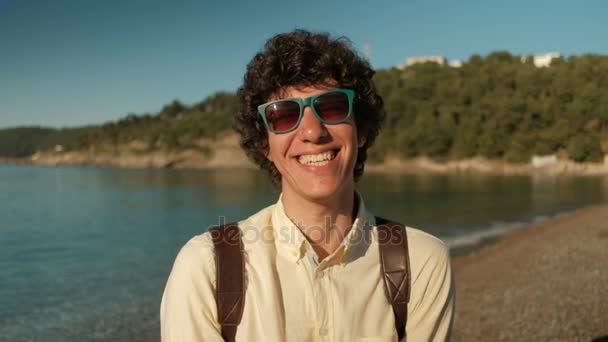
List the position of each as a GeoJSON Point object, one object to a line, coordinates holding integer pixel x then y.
{"type": "Point", "coordinates": [431, 307]}
{"type": "Point", "coordinates": [188, 309]}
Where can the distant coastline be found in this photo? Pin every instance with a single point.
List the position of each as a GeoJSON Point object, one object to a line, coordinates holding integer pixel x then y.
{"type": "Point", "coordinates": [226, 153]}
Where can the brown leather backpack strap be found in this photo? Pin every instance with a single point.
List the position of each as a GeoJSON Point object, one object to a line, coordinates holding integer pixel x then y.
{"type": "Point", "coordinates": [230, 270]}
{"type": "Point", "coordinates": [395, 263]}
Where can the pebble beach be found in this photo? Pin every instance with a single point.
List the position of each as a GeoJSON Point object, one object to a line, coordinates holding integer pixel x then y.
{"type": "Point", "coordinates": [545, 282]}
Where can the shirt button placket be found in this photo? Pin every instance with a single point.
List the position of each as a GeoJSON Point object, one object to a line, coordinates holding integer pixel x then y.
{"type": "Point", "coordinates": [325, 329]}
{"type": "Point", "coordinates": [322, 302]}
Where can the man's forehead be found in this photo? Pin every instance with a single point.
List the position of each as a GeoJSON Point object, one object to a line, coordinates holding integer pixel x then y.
{"type": "Point", "coordinates": [284, 91]}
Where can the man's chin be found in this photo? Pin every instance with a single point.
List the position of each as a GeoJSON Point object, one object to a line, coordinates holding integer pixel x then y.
{"type": "Point", "coordinates": [324, 194]}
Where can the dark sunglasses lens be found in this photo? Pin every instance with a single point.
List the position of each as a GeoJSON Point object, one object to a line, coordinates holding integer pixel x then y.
{"type": "Point", "coordinates": [332, 107]}
{"type": "Point", "coordinates": [283, 115]}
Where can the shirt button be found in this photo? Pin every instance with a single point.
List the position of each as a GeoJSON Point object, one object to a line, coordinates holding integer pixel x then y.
{"type": "Point", "coordinates": [323, 331]}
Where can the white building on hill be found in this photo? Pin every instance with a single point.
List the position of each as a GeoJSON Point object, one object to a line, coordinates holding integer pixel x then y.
{"type": "Point", "coordinates": [542, 60]}
{"type": "Point", "coordinates": [423, 59]}
{"type": "Point", "coordinates": [456, 63]}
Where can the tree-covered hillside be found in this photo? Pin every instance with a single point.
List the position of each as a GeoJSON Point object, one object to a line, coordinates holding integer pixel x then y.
{"type": "Point", "coordinates": [495, 106]}
{"type": "Point", "coordinates": [498, 107]}
{"type": "Point", "coordinates": [176, 126]}
{"type": "Point", "coordinates": [25, 141]}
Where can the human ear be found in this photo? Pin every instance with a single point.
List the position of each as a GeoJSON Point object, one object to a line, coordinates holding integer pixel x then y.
{"type": "Point", "coordinates": [361, 141]}
{"type": "Point", "coordinates": [265, 152]}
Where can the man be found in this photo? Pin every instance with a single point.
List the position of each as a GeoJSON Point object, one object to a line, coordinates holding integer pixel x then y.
{"type": "Point", "coordinates": [312, 271]}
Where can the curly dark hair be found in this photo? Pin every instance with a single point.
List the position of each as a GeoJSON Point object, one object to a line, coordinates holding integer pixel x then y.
{"type": "Point", "coordinates": [303, 58]}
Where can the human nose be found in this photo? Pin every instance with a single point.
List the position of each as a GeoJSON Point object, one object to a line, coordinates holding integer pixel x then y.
{"type": "Point", "coordinates": [311, 129]}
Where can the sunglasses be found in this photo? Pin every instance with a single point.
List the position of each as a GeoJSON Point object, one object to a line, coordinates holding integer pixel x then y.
{"type": "Point", "coordinates": [331, 107]}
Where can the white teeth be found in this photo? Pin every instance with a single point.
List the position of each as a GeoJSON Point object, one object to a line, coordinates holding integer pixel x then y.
{"type": "Point", "coordinates": [317, 159]}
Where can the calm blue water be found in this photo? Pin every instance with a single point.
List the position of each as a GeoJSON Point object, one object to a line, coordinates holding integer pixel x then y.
{"type": "Point", "coordinates": [85, 252]}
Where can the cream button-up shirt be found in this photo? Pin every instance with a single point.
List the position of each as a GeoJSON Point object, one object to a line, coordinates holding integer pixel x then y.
{"type": "Point", "coordinates": [289, 297]}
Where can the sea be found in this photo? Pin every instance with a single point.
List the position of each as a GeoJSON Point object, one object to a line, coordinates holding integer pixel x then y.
{"type": "Point", "coordinates": [85, 252]}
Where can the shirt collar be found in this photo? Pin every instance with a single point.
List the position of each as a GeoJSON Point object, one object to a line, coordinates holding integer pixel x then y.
{"type": "Point", "coordinates": [289, 239]}
{"type": "Point", "coordinates": [292, 243]}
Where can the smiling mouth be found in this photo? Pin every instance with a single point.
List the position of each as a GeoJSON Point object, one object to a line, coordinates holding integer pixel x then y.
{"type": "Point", "coordinates": [317, 159]}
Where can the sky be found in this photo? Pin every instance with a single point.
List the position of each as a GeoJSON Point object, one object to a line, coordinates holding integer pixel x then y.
{"type": "Point", "coordinates": [67, 63]}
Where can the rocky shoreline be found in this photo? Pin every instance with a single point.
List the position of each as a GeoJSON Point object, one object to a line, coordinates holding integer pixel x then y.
{"type": "Point", "coordinates": [225, 152]}
{"type": "Point", "coordinates": [221, 153]}
{"type": "Point", "coordinates": [229, 155]}
{"type": "Point", "coordinates": [487, 166]}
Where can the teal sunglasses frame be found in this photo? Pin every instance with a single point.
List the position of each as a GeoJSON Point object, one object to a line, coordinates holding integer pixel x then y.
{"type": "Point", "coordinates": [308, 101]}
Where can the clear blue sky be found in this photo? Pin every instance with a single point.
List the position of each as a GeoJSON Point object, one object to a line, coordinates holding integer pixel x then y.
{"type": "Point", "coordinates": [75, 62]}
